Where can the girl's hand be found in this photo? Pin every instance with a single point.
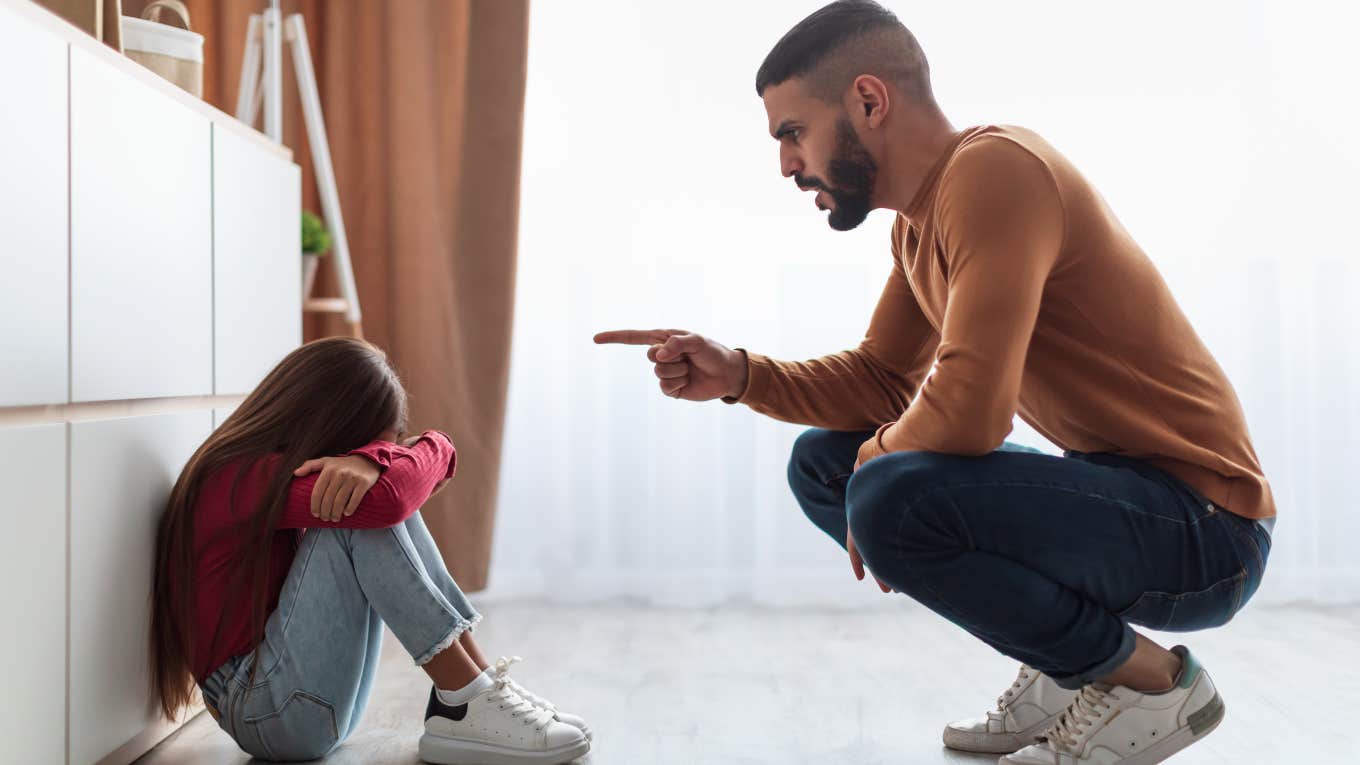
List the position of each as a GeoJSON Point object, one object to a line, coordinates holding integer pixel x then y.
{"type": "Point", "coordinates": [343, 483]}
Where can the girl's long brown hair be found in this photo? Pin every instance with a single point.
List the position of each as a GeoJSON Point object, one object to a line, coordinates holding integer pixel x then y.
{"type": "Point", "coordinates": [325, 398]}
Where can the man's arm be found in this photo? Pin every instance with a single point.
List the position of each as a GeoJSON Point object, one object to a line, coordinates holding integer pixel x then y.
{"type": "Point", "coordinates": [860, 388]}
{"type": "Point", "coordinates": [1002, 224]}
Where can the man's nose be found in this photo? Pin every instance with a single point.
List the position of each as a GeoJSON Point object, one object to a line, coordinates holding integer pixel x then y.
{"type": "Point", "coordinates": [788, 164]}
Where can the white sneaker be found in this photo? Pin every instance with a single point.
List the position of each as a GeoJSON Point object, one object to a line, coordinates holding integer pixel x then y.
{"type": "Point", "coordinates": [496, 727]}
{"type": "Point", "coordinates": [1112, 724]}
{"type": "Point", "coordinates": [575, 721]}
{"type": "Point", "coordinates": [1028, 708]}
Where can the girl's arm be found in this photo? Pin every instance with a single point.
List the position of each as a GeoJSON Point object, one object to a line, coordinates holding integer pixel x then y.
{"type": "Point", "coordinates": [407, 475]}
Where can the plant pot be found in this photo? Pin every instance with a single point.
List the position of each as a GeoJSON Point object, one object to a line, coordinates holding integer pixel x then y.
{"type": "Point", "coordinates": [309, 266]}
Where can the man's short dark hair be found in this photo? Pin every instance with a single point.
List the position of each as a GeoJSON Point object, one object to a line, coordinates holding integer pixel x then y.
{"type": "Point", "coordinates": [842, 41]}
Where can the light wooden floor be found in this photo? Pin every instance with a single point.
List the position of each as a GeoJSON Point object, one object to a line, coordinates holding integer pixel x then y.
{"type": "Point", "coordinates": [745, 685]}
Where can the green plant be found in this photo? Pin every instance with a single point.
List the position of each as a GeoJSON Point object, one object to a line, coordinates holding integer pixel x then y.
{"type": "Point", "coordinates": [316, 240]}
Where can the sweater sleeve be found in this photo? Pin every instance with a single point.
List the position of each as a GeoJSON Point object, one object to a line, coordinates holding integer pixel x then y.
{"type": "Point", "coordinates": [1002, 225]}
{"type": "Point", "coordinates": [409, 475]}
{"type": "Point", "coordinates": [856, 389]}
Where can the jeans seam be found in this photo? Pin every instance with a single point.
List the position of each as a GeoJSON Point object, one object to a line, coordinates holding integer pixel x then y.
{"type": "Point", "coordinates": [461, 624]}
{"type": "Point", "coordinates": [970, 543]}
{"type": "Point", "coordinates": [283, 630]}
{"type": "Point", "coordinates": [1248, 538]}
{"type": "Point", "coordinates": [1239, 575]}
{"type": "Point", "coordinates": [1035, 485]}
{"type": "Point", "coordinates": [1241, 592]}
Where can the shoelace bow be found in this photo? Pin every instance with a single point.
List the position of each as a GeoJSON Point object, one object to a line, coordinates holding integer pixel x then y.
{"type": "Point", "coordinates": [520, 707]}
{"type": "Point", "coordinates": [503, 673]}
{"type": "Point", "coordinates": [1005, 699]}
{"type": "Point", "coordinates": [1081, 714]}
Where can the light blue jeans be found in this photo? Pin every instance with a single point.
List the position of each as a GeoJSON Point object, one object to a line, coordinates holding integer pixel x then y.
{"type": "Point", "coordinates": [321, 645]}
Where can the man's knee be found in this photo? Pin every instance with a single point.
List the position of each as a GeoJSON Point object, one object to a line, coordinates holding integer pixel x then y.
{"type": "Point", "coordinates": [899, 503]}
{"type": "Point", "coordinates": [808, 449]}
{"type": "Point", "coordinates": [820, 456]}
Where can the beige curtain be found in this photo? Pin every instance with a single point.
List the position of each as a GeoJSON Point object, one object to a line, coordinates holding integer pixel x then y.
{"type": "Point", "coordinates": [423, 102]}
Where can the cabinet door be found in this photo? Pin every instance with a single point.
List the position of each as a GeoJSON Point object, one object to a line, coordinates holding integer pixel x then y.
{"type": "Point", "coordinates": [141, 239]}
{"type": "Point", "coordinates": [121, 474]}
{"type": "Point", "coordinates": [33, 253]}
{"type": "Point", "coordinates": [257, 261]}
{"type": "Point", "coordinates": [33, 589]}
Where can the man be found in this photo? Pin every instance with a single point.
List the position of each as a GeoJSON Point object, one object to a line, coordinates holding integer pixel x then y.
{"type": "Point", "coordinates": [1014, 289]}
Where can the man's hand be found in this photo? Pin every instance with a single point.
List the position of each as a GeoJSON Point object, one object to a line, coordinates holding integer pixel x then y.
{"type": "Point", "coordinates": [343, 483]}
{"type": "Point", "coordinates": [857, 563]}
{"type": "Point", "coordinates": [689, 366]}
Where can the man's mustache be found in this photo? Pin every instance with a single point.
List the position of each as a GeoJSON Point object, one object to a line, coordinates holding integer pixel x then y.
{"type": "Point", "coordinates": [809, 182]}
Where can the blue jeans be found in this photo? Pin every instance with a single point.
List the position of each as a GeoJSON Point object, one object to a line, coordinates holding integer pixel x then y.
{"type": "Point", "coordinates": [321, 644]}
{"type": "Point", "coordinates": [1047, 559]}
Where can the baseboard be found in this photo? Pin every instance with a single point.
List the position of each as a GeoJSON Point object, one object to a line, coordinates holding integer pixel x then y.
{"type": "Point", "coordinates": [147, 740]}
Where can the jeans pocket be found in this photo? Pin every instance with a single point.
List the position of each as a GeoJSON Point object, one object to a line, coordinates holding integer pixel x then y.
{"type": "Point", "coordinates": [302, 728]}
{"type": "Point", "coordinates": [1188, 611]}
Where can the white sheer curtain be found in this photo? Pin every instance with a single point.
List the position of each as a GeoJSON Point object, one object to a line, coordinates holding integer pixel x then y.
{"type": "Point", "coordinates": [1220, 132]}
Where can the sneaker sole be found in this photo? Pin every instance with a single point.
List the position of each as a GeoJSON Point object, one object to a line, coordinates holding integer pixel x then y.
{"type": "Point", "coordinates": [441, 750]}
{"type": "Point", "coordinates": [1199, 725]}
{"type": "Point", "coordinates": [995, 743]}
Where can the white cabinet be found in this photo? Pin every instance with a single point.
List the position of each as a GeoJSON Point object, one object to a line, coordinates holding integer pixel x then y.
{"type": "Point", "coordinates": [257, 263]}
{"type": "Point", "coordinates": [32, 216]}
{"type": "Point", "coordinates": [149, 258]}
{"type": "Point", "coordinates": [121, 473]}
{"type": "Point", "coordinates": [33, 591]}
{"type": "Point", "coordinates": [141, 242]}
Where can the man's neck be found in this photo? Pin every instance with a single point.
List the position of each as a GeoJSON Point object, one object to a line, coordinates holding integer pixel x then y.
{"type": "Point", "coordinates": [912, 152]}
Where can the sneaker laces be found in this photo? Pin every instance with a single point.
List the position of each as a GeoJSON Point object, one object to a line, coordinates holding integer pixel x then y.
{"type": "Point", "coordinates": [1081, 714]}
{"type": "Point", "coordinates": [1005, 699]}
{"type": "Point", "coordinates": [519, 707]}
{"type": "Point", "coordinates": [503, 673]}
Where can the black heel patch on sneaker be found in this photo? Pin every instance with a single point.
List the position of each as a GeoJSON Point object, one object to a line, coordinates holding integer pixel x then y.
{"type": "Point", "coordinates": [437, 707]}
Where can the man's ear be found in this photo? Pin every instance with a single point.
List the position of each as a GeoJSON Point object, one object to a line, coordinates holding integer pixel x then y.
{"type": "Point", "coordinates": [870, 100]}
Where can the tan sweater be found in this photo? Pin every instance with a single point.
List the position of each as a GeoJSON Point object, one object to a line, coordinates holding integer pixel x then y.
{"type": "Point", "coordinates": [1017, 284]}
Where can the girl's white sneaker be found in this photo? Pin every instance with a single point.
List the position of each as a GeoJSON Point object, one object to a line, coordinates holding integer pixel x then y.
{"type": "Point", "coordinates": [503, 672]}
{"type": "Point", "coordinates": [497, 727]}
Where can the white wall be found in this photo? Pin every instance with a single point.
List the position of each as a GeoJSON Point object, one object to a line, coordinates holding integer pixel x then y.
{"type": "Point", "coordinates": [1218, 131]}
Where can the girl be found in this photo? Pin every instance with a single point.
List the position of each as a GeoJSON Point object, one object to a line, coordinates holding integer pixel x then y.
{"type": "Point", "coordinates": [291, 537]}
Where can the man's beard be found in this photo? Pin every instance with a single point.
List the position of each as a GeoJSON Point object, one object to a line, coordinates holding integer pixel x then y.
{"type": "Point", "coordinates": [850, 179]}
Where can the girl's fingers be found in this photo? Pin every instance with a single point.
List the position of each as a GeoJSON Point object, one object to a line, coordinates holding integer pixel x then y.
{"type": "Point", "coordinates": [328, 511]}
{"type": "Point", "coordinates": [673, 387]}
{"type": "Point", "coordinates": [355, 498]}
{"type": "Point", "coordinates": [336, 489]}
{"type": "Point", "coordinates": [319, 491]}
{"type": "Point", "coordinates": [309, 467]}
{"type": "Point", "coordinates": [342, 498]}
